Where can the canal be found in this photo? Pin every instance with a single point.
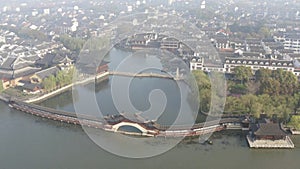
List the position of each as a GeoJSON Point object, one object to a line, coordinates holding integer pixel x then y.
{"type": "Point", "coordinates": [30, 142]}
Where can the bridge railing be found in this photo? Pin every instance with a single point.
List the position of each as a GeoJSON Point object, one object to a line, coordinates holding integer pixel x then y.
{"type": "Point", "coordinates": [59, 112]}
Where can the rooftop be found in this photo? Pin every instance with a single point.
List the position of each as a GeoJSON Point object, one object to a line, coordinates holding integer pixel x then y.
{"type": "Point", "coordinates": [269, 129]}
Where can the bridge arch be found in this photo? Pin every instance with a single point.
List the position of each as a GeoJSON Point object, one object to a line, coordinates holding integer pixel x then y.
{"type": "Point", "coordinates": [129, 129]}
{"type": "Point", "coordinates": [118, 128]}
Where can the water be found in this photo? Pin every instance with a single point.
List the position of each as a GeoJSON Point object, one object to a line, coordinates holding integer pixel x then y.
{"type": "Point", "coordinates": [29, 142]}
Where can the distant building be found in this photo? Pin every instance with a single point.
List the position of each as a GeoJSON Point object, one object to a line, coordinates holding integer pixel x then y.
{"type": "Point", "coordinates": [169, 43]}
{"type": "Point", "coordinates": [292, 42]}
{"type": "Point", "coordinates": [256, 64]}
{"type": "Point", "coordinates": [47, 11]}
{"type": "Point", "coordinates": [102, 68]}
{"type": "Point", "coordinates": [197, 63]}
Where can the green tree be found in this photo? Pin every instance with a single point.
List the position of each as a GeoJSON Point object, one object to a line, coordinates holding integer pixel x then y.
{"type": "Point", "coordinates": [264, 32]}
{"type": "Point", "coordinates": [243, 73]}
{"type": "Point", "coordinates": [73, 44]}
{"type": "Point", "coordinates": [49, 83]}
{"type": "Point", "coordinates": [204, 87]}
{"type": "Point", "coordinates": [278, 82]}
{"type": "Point", "coordinates": [295, 121]}
{"type": "Point", "coordinates": [263, 74]}
{"type": "Point", "coordinates": [238, 89]}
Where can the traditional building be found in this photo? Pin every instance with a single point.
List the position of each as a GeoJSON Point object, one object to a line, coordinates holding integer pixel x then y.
{"type": "Point", "coordinates": [38, 77]}
{"type": "Point", "coordinates": [169, 43]}
{"type": "Point", "coordinates": [31, 88]}
{"type": "Point", "coordinates": [139, 41]}
{"type": "Point", "coordinates": [14, 70]}
{"type": "Point", "coordinates": [268, 131]}
{"type": "Point", "coordinates": [268, 135]}
{"type": "Point", "coordinates": [66, 63]}
{"type": "Point", "coordinates": [103, 67]}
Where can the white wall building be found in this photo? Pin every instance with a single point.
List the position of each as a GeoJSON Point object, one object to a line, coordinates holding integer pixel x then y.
{"type": "Point", "coordinates": [197, 63]}
{"type": "Point", "coordinates": [256, 64]}
{"type": "Point", "coordinates": [292, 42]}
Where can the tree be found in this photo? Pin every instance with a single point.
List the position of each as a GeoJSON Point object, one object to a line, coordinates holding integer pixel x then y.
{"type": "Point", "coordinates": [278, 82]}
{"type": "Point", "coordinates": [73, 44]}
{"type": "Point", "coordinates": [264, 32]}
{"type": "Point", "coordinates": [59, 78]}
{"type": "Point", "coordinates": [263, 74]}
{"type": "Point", "coordinates": [295, 121]}
{"type": "Point", "coordinates": [49, 83]}
{"type": "Point", "coordinates": [266, 101]}
{"type": "Point", "coordinates": [238, 89]}
{"type": "Point", "coordinates": [204, 87]}
{"type": "Point", "coordinates": [243, 73]}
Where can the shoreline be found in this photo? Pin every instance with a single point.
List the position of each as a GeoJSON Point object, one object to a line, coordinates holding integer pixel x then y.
{"type": "Point", "coordinates": [98, 78]}
{"type": "Point", "coordinates": [65, 88]}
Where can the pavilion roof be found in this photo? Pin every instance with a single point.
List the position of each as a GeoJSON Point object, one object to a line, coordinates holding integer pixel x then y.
{"type": "Point", "coordinates": [269, 129]}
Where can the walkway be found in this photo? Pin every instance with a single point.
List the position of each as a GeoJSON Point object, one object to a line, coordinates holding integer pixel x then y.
{"type": "Point", "coordinates": [65, 88]}
{"type": "Point", "coordinates": [128, 74]}
{"type": "Point", "coordinates": [150, 129]}
{"type": "Point", "coordinates": [282, 143]}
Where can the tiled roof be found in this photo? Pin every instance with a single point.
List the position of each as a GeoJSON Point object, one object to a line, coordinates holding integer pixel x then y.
{"type": "Point", "coordinates": [47, 72]}
{"type": "Point", "coordinates": [19, 73]}
{"type": "Point", "coordinates": [256, 61]}
{"type": "Point", "coordinates": [269, 129]}
{"type": "Point", "coordinates": [8, 63]}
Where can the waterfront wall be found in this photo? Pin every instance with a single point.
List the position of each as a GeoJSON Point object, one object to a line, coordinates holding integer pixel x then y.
{"type": "Point", "coordinates": [61, 90]}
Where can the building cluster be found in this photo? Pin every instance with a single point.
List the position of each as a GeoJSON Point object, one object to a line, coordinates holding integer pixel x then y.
{"type": "Point", "coordinates": [228, 25]}
{"type": "Point", "coordinates": [25, 62]}
{"type": "Point", "coordinates": [77, 18]}
{"type": "Point", "coordinates": [255, 34]}
{"type": "Point", "coordinates": [254, 53]}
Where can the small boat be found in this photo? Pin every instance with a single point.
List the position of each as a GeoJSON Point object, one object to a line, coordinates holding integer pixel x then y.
{"type": "Point", "coordinates": [209, 142]}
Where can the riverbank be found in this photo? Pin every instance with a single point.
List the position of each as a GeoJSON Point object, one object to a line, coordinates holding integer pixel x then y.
{"type": "Point", "coordinates": [39, 98]}
{"type": "Point", "coordinates": [98, 78]}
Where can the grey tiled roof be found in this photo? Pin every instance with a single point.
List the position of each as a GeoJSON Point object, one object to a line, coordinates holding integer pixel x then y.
{"type": "Point", "coordinates": [8, 63]}
{"type": "Point", "coordinates": [269, 129]}
{"type": "Point", "coordinates": [19, 73]}
{"type": "Point", "coordinates": [47, 72]}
